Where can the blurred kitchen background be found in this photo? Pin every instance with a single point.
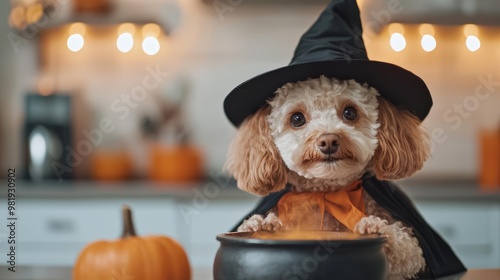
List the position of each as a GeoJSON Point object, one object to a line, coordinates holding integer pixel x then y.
{"type": "Point", "coordinates": [105, 102]}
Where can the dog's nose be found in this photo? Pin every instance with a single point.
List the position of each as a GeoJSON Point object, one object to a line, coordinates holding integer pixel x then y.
{"type": "Point", "coordinates": [328, 143]}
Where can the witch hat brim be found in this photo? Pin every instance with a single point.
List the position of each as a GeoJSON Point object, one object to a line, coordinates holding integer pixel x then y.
{"type": "Point", "coordinates": [332, 47]}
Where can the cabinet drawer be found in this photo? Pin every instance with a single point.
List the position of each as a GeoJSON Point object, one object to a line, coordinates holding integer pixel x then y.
{"type": "Point", "coordinates": [218, 217]}
{"type": "Point", "coordinates": [461, 224]}
{"type": "Point", "coordinates": [49, 254]}
{"type": "Point", "coordinates": [83, 221]}
{"type": "Point", "coordinates": [471, 229]}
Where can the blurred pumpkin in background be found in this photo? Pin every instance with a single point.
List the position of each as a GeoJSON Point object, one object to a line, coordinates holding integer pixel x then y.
{"type": "Point", "coordinates": [109, 165]}
{"type": "Point", "coordinates": [175, 163]}
{"type": "Point", "coordinates": [173, 156]}
{"type": "Point", "coordinates": [133, 257]}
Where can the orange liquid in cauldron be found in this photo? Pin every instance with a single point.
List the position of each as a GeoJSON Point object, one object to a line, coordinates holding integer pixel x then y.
{"type": "Point", "coordinates": [306, 235]}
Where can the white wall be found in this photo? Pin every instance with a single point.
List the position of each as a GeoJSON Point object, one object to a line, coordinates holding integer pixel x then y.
{"type": "Point", "coordinates": [453, 75]}
{"type": "Point", "coordinates": [217, 54]}
{"type": "Point", "coordinates": [214, 54]}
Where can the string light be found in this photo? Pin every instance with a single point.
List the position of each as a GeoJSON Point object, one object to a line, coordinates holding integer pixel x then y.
{"type": "Point", "coordinates": [470, 29]}
{"type": "Point", "coordinates": [125, 42]}
{"type": "Point", "coordinates": [428, 43]}
{"type": "Point", "coordinates": [126, 28]}
{"type": "Point", "coordinates": [151, 29]}
{"type": "Point", "coordinates": [78, 28]}
{"type": "Point", "coordinates": [75, 42]}
{"type": "Point", "coordinates": [428, 40]}
{"type": "Point", "coordinates": [398, 42]}
{"type": "Point", "coordinates": [150, 45]}
{"type": "Point", "coordinates": [473, 43]}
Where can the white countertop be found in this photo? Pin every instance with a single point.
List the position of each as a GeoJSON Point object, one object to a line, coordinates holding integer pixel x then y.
{"type": "Point", "coordinates": [416, 189]}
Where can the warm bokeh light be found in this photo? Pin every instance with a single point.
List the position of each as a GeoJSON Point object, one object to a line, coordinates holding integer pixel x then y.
{"type": "Point", "coordinates": [426, 29]}
{"type": "Point", "coordinates": [77, 28]}
{"type": "Point", "coordinates": [151, 29]}
{"type": "Point", "coordinates": [473, 43]}
{"type": "Point", "coordinates": [34, 13]}
{"type": "Point", "coordinates": [125, 42]}
{"type": "Point", "coordinates": [17, 15]}
{"type": "Point", "coordinates": [470, 29]}
{"type": "Point", "coordinates": [126, 28]}
{"type": "Point", "coordinates": [428, 43]}
{"type": "Point", "coordinates": [46, 86]}
{"type": "Point", "coordinates": [75, 42]}
{"type": "Point", "coordinates": [150, 45]}
{"type": "Point", "coordinates": [396, 28]}
{"type": "Point", "coordinates": [398, 42]}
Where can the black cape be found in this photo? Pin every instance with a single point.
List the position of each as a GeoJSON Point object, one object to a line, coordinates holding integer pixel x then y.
{"type": "Point", "coordinates": [440, 259]}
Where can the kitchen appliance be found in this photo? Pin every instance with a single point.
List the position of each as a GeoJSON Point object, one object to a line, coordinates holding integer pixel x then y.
{"type": "Point", "coordinates": [303, 255]}
{"type": "Point", "coordinates": [48, 137]}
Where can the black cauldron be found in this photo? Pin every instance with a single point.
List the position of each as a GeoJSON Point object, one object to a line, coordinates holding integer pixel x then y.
{"type": "Point", "coordinates": [303, 255]}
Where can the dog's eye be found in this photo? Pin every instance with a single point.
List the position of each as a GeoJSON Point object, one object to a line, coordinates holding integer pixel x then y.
{"type": "Point", "coordinates": [350, 114]}
{"type": "Point", "coordinates": [297, 119]}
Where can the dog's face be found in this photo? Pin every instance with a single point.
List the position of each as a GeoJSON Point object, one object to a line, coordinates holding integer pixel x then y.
{"type": "Point", "coordinates": [325, 130]}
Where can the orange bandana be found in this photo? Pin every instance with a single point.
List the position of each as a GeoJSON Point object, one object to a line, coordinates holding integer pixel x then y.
{"type": "Point", "coordinates": [299, 211]}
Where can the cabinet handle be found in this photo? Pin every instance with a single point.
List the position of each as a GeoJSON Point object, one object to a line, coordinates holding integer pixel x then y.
{"type": "Point", "coordinates": [60, 226]}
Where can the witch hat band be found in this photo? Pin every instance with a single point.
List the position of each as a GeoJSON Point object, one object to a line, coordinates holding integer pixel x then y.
{"type": "Point", "coordinates": [333, 47]}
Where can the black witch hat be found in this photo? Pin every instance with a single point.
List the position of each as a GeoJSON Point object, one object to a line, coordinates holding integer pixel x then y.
{"type": "Point", "coordinates": [333, 47]}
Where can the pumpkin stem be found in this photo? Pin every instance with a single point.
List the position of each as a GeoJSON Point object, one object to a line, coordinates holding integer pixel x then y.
{"type": "Point", "coordinates": [128, 224]}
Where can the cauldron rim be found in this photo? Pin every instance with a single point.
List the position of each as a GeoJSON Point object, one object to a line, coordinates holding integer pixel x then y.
{"type": "Point", "coordinates": [239, 238]}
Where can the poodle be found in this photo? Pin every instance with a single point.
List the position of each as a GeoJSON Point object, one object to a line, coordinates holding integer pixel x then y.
{"type": "Point", "coordinates": [322, 135]}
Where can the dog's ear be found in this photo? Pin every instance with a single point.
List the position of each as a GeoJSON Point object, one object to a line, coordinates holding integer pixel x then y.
{"type": "Point", "coordinates": [403, 143]}
{"type": "Point", "coordinates": [253, 158]}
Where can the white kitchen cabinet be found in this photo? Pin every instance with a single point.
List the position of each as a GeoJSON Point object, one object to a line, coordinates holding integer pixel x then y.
{"type": "Point", "coordinates": [218, 217]}
{"type": "Point", "coordinates": [471, 228]}
{"type": "Point", "coordinates": [53, 232]}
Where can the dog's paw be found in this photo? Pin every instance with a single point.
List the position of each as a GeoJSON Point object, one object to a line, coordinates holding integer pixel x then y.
{"type": "Point", "coordinates": [257, 223]}
{"type": "Point", "coordinates": [371, 224]}
{"type": "Point", "coordinates": [404, 255]}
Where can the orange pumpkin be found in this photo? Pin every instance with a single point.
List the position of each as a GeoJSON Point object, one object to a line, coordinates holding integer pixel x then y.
{"type": "Point", "coordinates": [133, 257]}
{"type": "Point", "coordinates": [181, 163]}
{"type": "Point", "coordinates": [110, 166]}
